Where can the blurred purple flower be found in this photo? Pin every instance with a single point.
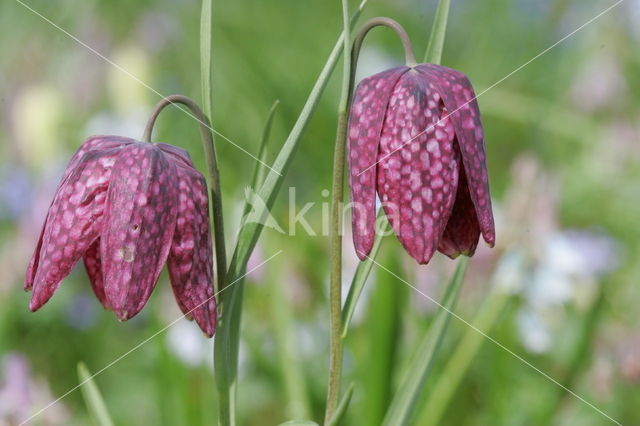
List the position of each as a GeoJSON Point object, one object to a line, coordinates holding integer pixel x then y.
{"type": "Point", "coordinates": [126, 207]}
{"type": "Point", "coordinates": [416, 139]}
{"type": "Point", "coordinates": [15, 397]}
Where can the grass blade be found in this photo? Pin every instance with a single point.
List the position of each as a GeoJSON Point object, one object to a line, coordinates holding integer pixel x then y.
{"type": "Point", "coordinates": [296, 402]}
{"type": "Point", "coordinates": [383, 327]}
{"type": "Point", "coordinates": [360, 278]}
{"type": "Point", "coordinates": [438, 32]}
{"type": "Point", "coordinates": [403, 405]}
{"type": "Point", "coordinates": [92, 397]}
{"type": "Point", "coordinates": [460, 360]}
{"type": "Point", "coordinates": [260, 169]}
{"type": "Point", "coordinates": [206, 76]}
{"type": "Point", "coordinates": [341, 410]}
{"type": "Point", "coordinates": [227, 339]}
{"type": "Point", "coordinates": [580, 356]}
{"type": "Point", "coordinates": [250, 232]}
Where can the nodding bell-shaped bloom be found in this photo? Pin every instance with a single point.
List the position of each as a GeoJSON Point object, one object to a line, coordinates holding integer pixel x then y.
{"type": "Point", "coordinates": [415, 139]}
{"type": "Point", "coordinates": [127, 207]}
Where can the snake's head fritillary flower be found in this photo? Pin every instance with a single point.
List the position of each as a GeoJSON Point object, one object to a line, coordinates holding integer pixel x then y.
{"type": "Point", "coordinates": [416, 140]}
{"type": "Point", "coordinates": [127, 207]}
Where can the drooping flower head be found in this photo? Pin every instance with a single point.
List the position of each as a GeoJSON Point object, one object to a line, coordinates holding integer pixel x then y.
{"type": "Point", "coordinates": [416, 140]}
{"type": "Point", "coordinates": [127, 207]}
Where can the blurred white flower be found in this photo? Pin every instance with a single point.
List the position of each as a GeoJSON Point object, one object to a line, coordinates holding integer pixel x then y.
{"type": "Point", "coordinates": [534, 332]}
{"type": "Point", "coordinates": [510, 272]}
{"type": "Point", "coordinates": [187, 343]}
{"type": "Point", "coordinates": [567, 272]}
{"type": "Point", "coordinates": [549, 286]}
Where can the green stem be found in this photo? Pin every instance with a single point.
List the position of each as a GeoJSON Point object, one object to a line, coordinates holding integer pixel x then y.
{"type": "Point", "coordinates": [410, 57]}
{"type": "Point", "coordinates": [227, 338]}
{"type": "Point", "coordinates": [335, 236]}
{"type": "Point", "coordinates": [212, 169]}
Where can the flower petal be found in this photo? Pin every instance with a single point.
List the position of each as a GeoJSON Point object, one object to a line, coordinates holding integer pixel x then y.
{"type": "Point", "coordinates": [176, 153]}
{"type": "Point", "coordinates": [458, 96]}
{"type": "Point", "coordinates": [94, 143]}
{"type": "Point", "coordinates": [91, 144]}
{"type": "Point", "coordinates": [418, 169]}
{"type": "Point", "coordinates": [139, 223]}
{"type": "Point", "coordinates": [93, 266]}
{"type": "Point", "coordinates": [74, 222]}
{"type": "Point", "coordinates": [35, 259]}
{"type": "Point", "coordinates": [366, 119]}
{"type": "Point", "coordinates": [463, 231]}
{"type": "Point", "coordinates": [190, 260]}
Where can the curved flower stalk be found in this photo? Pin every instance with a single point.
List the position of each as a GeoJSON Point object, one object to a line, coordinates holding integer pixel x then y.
{"type": "Point", "coordinates": [127, 207]}
{"type": "Point", "coordinates": [416, 141]}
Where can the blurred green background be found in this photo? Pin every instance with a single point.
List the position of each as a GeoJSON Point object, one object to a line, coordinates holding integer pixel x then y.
{"type": "Point", "coordinates": [560, 289]}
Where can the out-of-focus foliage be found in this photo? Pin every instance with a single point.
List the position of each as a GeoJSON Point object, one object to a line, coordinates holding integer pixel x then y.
{"type": "Point", "coordinates": [560, 289]}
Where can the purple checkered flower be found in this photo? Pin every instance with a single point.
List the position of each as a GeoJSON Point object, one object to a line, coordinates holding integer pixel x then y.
{"type": "Point", "coordinates": [416, 140]}
{"type": "Point", "coordinates": [127, 207]}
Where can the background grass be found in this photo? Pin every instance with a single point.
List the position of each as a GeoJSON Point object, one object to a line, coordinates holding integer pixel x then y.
{"type": "Point", "coordinates": [562, 139]}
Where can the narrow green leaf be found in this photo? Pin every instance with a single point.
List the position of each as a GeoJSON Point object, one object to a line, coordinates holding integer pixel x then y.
{"type": "Point", "coordinates": [383, 328]}
{"type": "Point", "coordinates": [228, 333]}
{"type": "Point", "coordinates": [360, 277]}
{"type": "Point", "coordinates": [341, 410]}
{"type": "Point", "coordinates": [438, 32]}
{"type": "Point", "coordinates": [260, 168]}
{"type": "Point", "coordinates": [206, 76]}
{"type": "Point", "coordinates": [579, 358]}
{"type": "Point", "coordinates": [459, 361]}
{"type": "Point", "coordinates": [299, 423]}
{"type": "Point", "coordinates": [295, 398]}
{"type": "Point", "coordinates": [92, 397]}
{"type": "Point", "coordinates": [250, 232]}
{"type": "Point", "coordinates": [404, 403]}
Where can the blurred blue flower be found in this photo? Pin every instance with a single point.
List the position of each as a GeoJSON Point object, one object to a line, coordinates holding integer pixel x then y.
{"type": "Point", "coordinates": [82, 313]}
{"type": "Point", "coordinates": [16, 192]}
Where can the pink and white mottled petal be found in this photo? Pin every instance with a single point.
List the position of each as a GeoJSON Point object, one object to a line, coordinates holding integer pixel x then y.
{"type": "Point", "coordinates": [463, 231]}
{"type": "Point", "coordinates": [190, 260]}
{"type": "Point", "coordinates": [459, 98]}
{"type": "Point", "coordinates": [35, 258]}
{"type": "Point", "coordinates": [418, 171]}
{"type": "Point", "coordinates": [94, 143]}
{"type": "Point", "coordinates": [176, 153]}
{"type": "Point", "coordinates": [140, 220]}
{"type": "Point", "coordinates": [93, 266]}
{"type": "Point", "coordinates": [74, 222]}
{"type": "Point", "coordinates": [91, 144]}
{"type": "Point", "coordinates": [366, 119]}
